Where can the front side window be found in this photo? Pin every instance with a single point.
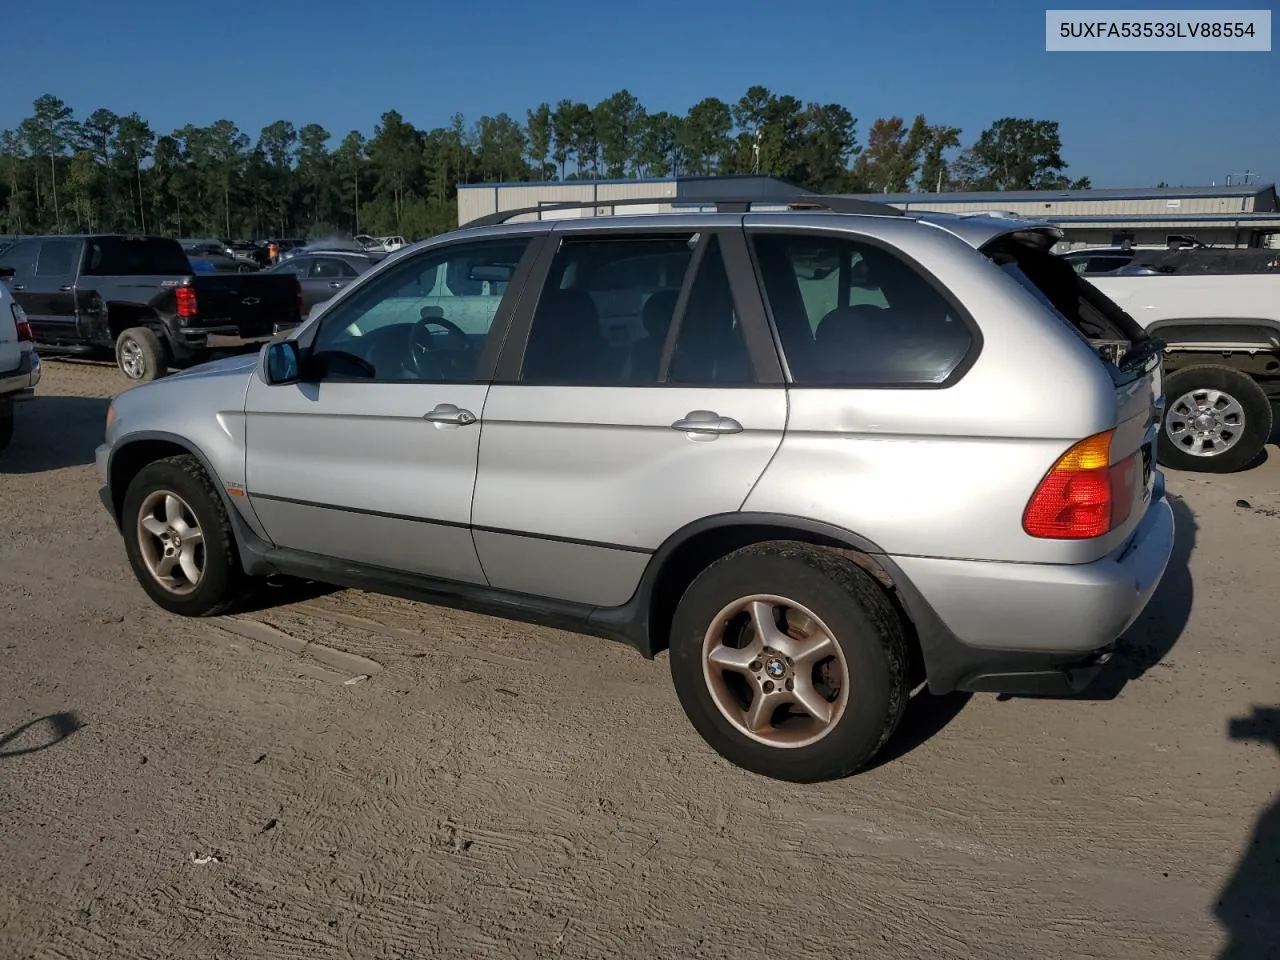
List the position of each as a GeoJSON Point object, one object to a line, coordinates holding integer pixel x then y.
{"type": "Point", "coordinates": [57, 258]}
{"type": "Point", "coordinates": [849, 313]}
{"type": "Point", "coordinates": [21, 258]}
{"type": "Point", "coordinates": [296, 267]}
{"type": "Point", "coordinates": [408, 325]}
{"type": "Point", "coordinates": [605, 310]}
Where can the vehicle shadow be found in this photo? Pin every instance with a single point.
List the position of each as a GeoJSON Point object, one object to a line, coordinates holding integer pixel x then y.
{"type": "Point", "coordinates": [925, 717]}
{"type": "Point", "coordinates": [1149, 640]}
{"type": "Point", "coordinates": [1264, 454]}
{"type": "Point", "coordinates": [52, 432]}
{"type": "Point", "coordinates": [1247, 905]}
{"type": "Point", "coordinates": [276, 592]}
{"type": "Point", "coordinates": [30, 737]}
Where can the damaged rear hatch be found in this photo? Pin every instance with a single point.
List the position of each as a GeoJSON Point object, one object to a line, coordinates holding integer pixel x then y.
{"type": "Point", "coordinates": [1132, 357]}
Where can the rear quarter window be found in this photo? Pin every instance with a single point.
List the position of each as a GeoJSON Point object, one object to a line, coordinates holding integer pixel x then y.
{"type": "Point", "coordinates": [850, 313]}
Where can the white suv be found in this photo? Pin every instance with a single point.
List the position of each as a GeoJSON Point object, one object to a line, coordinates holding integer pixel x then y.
{"type": "Point", "coordinates": [19, 363]}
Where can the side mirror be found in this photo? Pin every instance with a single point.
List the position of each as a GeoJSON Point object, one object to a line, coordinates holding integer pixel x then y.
{"type": "Point", "coordinates": [283, 364]}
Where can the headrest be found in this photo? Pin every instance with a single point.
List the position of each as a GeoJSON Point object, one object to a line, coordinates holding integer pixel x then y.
{"type": "Point", "coordinates": [569, 310]}
{"type": "Point", "coordinates": [843, 321]}
{"type": "Point", "coordinates": [659, 310]}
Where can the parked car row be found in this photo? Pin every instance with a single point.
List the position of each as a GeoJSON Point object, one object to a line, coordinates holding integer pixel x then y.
{"type": "Point", "coordinates": [765, 442]}
{"type": "Point", "coordinates": [323, 273]}
{"type": "Point", "coordinates": [140, 298]}
{"type": "Point", "coordinates": [381, 244]}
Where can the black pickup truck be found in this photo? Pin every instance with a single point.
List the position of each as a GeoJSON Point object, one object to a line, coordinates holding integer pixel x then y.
{"type": "Point", "coordinates": [140, 297]}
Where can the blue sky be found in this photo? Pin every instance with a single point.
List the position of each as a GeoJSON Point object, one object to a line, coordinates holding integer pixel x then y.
{"type": "Point", "coordinates": [1127, 119]}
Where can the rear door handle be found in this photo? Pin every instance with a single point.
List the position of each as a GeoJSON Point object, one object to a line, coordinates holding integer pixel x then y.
{"type": "Point", "coordinates": [706, 423]}
{"type": "Point", "coordinates": [65, 288]}
{"type": "Point", "coordinates": [336, 284]}
{"type": "Point", "coordinates": [449, 414]}
{"type": "Point", "coordinates": [17, 286]}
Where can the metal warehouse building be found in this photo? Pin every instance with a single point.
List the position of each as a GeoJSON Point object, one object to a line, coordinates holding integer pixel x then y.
{"type": "Point", "coordinates": [1235, 216]}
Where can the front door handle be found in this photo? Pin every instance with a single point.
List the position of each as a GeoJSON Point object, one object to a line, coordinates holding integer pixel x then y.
{"type": "Point", "coordinates": [65, 288]}
{"type": "Point", "coordinates": [451, 415]}
{"type": "Point", "coordinates": [703, 423]}
{"type": "Point", "coordinates": [17, 286]}
{"type": "Point", "coordinates": [336, 284]}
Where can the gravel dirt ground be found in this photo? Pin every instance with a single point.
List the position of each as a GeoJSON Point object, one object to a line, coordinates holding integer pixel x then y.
{"type": "Point", "coordinates": [218, 788]}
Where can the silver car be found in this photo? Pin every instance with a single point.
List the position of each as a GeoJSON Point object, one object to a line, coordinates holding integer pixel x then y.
{"type": "Point", "coordinates": [821, 457]}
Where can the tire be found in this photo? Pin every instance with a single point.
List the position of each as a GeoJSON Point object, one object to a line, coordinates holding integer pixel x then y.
{"type": "Point", "coordinates": [857, 617]}
{"type": "Point", "coordinates": [140, 355]}
{"type": "Point", "coordinates": [221, 582]}
{"type": "Point", "coordinates": [1232, 390]}
{"type": "Point", "coordinates": [6, 424]}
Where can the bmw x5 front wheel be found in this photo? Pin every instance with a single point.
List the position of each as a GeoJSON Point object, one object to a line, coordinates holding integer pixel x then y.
{"type": "Point", "coordinates": [178, 539]}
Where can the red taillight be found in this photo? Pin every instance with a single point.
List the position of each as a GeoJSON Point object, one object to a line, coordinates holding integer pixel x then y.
{"type": "Point", "coordinates": [20, 321]}
{"type": "Point", "coordinates": [186, 301]}
{"type": "Point", "coordinates": [1085, 495]}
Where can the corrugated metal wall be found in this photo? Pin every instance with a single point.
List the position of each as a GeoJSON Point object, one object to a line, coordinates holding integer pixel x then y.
{"type": "Point", "coordinates": [476, 202]}
{"type": "Point", "coordinates": [1094, 208]}
{"type": "Point", "coordinates": [480, 200]}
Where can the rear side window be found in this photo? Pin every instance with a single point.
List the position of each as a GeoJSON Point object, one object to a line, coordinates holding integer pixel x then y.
{"type": "Point", "coordinates": [140, 257]}
{"type": "Point", "coordinates": [851, 314]}
{"type": "Point", "coordinates": [605, 311]}
{"type": "Point", "coordinates": [57, 258]}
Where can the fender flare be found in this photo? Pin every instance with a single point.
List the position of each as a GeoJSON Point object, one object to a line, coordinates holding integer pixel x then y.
{"type": "Point", "coordinates": [251, 544]}
{"type": "Point", "coordinates": [1249, 332]}
{"type": "Point", "coordinates": [932, 635]}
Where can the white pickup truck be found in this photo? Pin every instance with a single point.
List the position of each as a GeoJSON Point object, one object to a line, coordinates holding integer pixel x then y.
{"type": "Point", "coordinates": [1219, 316]}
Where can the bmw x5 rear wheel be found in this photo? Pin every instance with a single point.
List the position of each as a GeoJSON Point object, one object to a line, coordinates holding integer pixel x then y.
{"type": "Point", "coordinates": [790, 661]}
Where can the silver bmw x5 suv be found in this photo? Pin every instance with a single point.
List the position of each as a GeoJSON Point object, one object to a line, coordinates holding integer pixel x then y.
{"type": "Point", "coordinates": [821, 456]}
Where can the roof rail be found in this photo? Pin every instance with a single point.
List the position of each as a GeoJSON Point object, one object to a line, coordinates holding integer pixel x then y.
{"type": "Point", "coordinates": [804, 201]}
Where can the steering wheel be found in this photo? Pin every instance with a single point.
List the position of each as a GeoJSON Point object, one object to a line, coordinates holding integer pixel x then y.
{"type": "Point", "coordinates": [423, 345]}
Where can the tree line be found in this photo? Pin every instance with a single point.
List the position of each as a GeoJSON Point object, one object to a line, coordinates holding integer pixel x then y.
{"type": "Point", "coordinates": [112, 172]}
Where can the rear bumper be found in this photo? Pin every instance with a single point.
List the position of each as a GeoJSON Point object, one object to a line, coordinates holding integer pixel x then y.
{"type": "Point", "coordinates": [1033, 628]}
{"type": "Point", "coordinates": [20, 384]}
{"type": "Point", "coordinates": [228, 338]}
